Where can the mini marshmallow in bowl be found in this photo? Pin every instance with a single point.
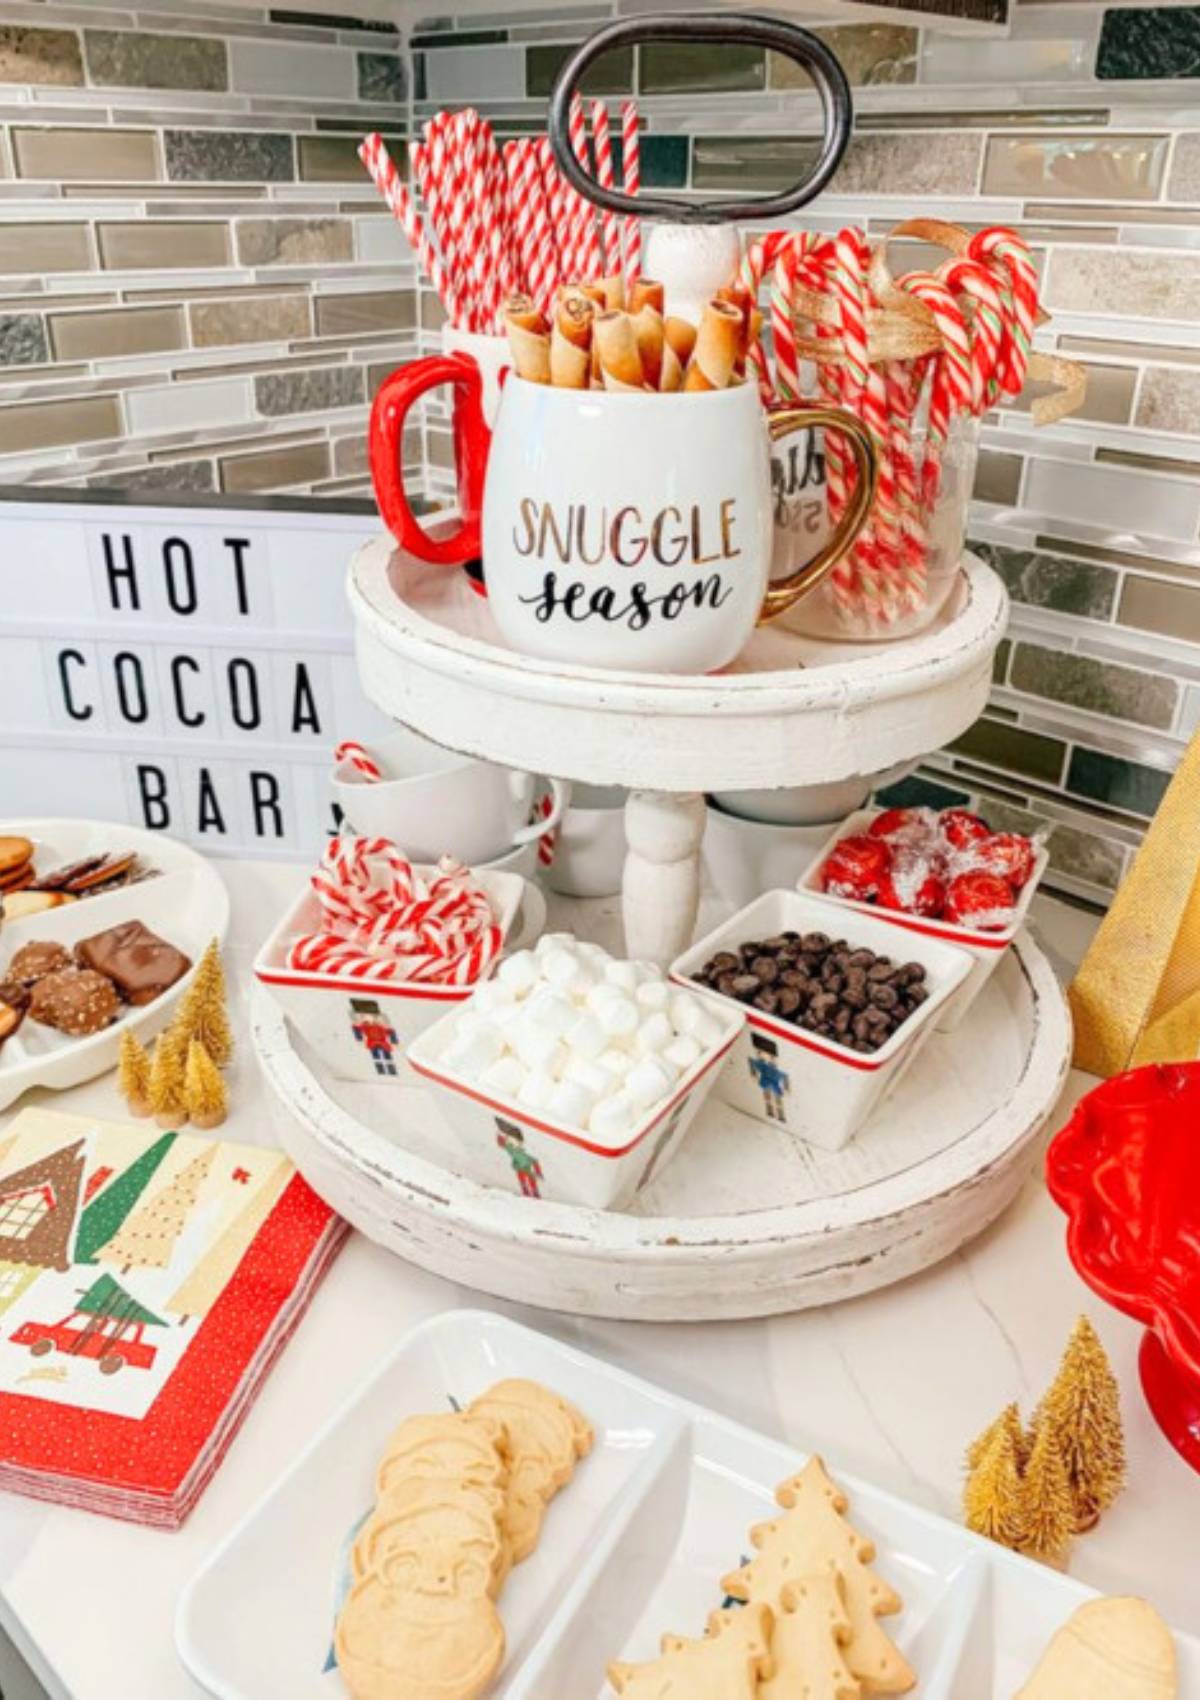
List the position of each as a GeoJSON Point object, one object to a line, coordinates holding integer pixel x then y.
{"type": "Point", "coordinates": [577, 1056]}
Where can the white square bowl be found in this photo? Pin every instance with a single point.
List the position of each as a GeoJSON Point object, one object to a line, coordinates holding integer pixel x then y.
{"type": "Point", "coordinates": [322, 1006]}
{"type": "Point", "coordinates": [830, 1090]}
{"type": "Point", "coordinates": [985, 949]}
{"type": "Point", "coordinates": [573, 1167]}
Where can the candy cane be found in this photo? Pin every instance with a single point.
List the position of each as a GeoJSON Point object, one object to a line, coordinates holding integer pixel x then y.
{"type": "Point", "coordinates": [631, 172]}
{"type": "Point", "coordinates": [386, 178]}
{"type": "Point", "coordinates": [360, 759]}
{"type": "Point", "coordinates": [1012, 252]}
{"type": "Point", "coordinates": [602, 141]}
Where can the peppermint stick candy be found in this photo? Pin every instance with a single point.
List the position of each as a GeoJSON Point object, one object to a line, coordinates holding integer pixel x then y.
{"type": "Point", "coordinates": [382, 171]}
{"type": "Point", "coordinates": [631, 172]}
{"type": "Point", "coordinates": [602, 142]}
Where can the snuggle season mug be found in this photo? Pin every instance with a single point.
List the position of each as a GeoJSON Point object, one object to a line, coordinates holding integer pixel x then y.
{"type": "Point", "coordinates": [625, 530]}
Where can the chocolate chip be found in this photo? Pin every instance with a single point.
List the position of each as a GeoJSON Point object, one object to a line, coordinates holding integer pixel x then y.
{"type": "Point", "coordinates": [744, 985]}
{"type": "Point", "coordinates": [766, 968]}
{"type": "Point", "coordinates": [724, 962]}
{"type": "Point", "coordinates": [767, 1000]}
{"type": "Point", "coordinates": [884, 996]}
{"type": "Point", "coordinates": [787, 1000]}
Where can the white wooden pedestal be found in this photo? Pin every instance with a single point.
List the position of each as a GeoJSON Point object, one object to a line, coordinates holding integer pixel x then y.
{"type": "Point", "coordinates": [792, 711]}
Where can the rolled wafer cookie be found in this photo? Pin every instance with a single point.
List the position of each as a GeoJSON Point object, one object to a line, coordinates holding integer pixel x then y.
{"type": "Point", "coordinates": [738, 296]}
{"type": "Point", "coordinates": [715, 354]}
{"type": "Point", "coordinates": [680, 335]}
{"type": "Point", "coordinates": [617, 351]}
{"type": "Point", "coordinates": [646, 292]}
{"type": "Point", "coordinates": [571, 340]}
{"type": "Point", "coordinates": [528, 339]}
{"type": "Point", "coordinates": [614, 290]}
{"type": "Point", "coordinates": [648, 329]}
{"type": "Point", "coordinates": [670, 376]}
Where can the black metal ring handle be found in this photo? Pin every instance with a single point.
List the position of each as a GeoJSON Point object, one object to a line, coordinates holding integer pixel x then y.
{"type": "Point", "coordinates": [800, 45]}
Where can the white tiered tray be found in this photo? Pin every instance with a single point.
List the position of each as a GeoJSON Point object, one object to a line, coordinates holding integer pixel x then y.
{"type": "Point", "coordinates": [791, 712]}
{"type": "Point", "coordinates": [746, 1221]}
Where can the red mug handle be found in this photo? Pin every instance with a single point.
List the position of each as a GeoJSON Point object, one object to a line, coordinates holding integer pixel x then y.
{"type": "Point", "coordinates": [471, 441]}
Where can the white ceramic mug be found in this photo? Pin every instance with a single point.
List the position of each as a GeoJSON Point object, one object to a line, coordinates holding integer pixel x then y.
{"type": "Point", "coordinates": [435, 802]}
{"type": "Point", "coordinates": [620, 530]}
{"type": "Point", "coordinates": [636, 531]}
{"type": "Point", "coordinates": [589, 850]}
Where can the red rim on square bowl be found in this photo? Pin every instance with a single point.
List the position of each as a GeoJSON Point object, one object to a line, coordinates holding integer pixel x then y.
{"type": "Point", "coordinates": [1126, 1170]}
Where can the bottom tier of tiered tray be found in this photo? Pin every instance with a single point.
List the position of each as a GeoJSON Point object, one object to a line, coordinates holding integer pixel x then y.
{"type": "Point", "coordinates": [746, 1221]}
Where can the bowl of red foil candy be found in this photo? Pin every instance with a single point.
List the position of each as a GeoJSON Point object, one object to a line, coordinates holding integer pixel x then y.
{"type": "Point", "coordinates": [943, 873]}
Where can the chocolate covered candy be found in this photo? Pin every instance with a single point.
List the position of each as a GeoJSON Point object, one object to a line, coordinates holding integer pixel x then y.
{"type": "Point", "coordinates": [140, 964]}
{"type": "Point", "coordinates": [78, 1001]}
{"type": "Point", "coordinates": [37, 959]}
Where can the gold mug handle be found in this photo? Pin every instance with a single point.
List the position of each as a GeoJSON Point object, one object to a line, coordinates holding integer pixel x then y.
{"type": "Point", "coordinates": [801, 416]}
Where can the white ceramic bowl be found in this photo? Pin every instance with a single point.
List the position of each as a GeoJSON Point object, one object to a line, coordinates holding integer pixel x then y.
{"type": "Point", "coordinates": [828, 1091]}
{"type": "Point", "coordinates": [572, 1166]}
{"type": "Point", "coordinates": [361, 1028]}
{"type": "Point", "coordinates": [744, 858]}
{"type": "Point", "coordinates": [985, 949]}
{"type": "Point", "coordinates": [809, 805]}
{"type": "Point", "coordinates": [589, 849]}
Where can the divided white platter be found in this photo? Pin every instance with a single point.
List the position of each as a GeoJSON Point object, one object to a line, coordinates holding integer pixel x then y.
{"type": "Point", "coordinates": [633, 1547]}
{"type": "Point", "coordinates": [185, 903]}
{"type": "Point", "coordinates": [747, 1221]}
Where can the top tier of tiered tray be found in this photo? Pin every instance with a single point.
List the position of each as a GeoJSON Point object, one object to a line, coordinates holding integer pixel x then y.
{"type": "Point", "coordinates": [792, 710]}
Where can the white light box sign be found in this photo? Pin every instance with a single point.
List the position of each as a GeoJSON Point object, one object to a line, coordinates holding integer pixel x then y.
{"type": "Point", "coordinates": [186, 668]}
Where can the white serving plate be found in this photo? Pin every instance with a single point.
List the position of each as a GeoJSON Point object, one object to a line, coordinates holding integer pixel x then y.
{"type": "Point", "coordinates": [185, 903]}
{"type": "Point", "coordinates": [632, 1548]}
{"type": "Point", "coordinates": [747, 1221]}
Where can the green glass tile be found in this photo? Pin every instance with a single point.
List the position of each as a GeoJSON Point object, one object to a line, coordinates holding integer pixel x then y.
{"type": "Point", "coordinates": [915, 792]}
{"type": "Point", "coordinates": [1000, 745]}
{"type": "Point", "coordinates": [664, 161]}
{"type": "Point", "coordinates": [1085, 856]}
{"type": "Point", "coordinates": [675, 67]}
{"type": "Point", "coordinates": [460, 38]}
{"type": "Point", "coordinates": [1000, 661]}
{"type": "Point", "coordinates": [1155, 41]}
{"type": "Point", "coordinates": [612, 73]}
{"type": "Point", "coordinates": [1121, 784]}
{"type": "Point", "coordinates": [1097, 687]}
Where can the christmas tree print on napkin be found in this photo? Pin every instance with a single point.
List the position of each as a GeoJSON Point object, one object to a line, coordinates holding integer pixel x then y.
{"type": "Point", "coordinates": [114, 1244]}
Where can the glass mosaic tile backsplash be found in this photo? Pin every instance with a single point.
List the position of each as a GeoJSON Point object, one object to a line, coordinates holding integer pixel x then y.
{"type": "Point", "coordinates": [198, 291]}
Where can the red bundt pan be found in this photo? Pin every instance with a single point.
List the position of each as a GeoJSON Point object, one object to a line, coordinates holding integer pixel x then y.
{"type": "Point", "coordinates": [1126, 1169]}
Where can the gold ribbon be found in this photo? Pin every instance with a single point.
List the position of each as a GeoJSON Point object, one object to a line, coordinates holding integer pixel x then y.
{"type": "Point", "coordinates": [904, 328]}
{"type": "Point", "coordinates": [1136, 999]}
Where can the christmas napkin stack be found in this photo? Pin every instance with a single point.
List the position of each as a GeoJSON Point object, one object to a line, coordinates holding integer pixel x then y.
{"type": "Point", "coordinates": [148, 1281]}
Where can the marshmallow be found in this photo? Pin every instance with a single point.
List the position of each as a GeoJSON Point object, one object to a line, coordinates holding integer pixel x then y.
{"type": "Point", "coordinates": [590, 1075]}
{"type": "Point", "coordinates": [612, 1118]}
{"type": "Point", "coordinates": [593, 953]}
{"type": "Point", "coordinates": [586, 1036]}
{"type": "Point", "coordinates": [685, 1011]}
{"type": "Point", "coordinates": [519, 972]}
{"type": "Point", "coordinates": [554, 941]}
{"type": "Point", "coordinates": [646, 971]}
{"type": "Point", "coordinates": [683, 1052]}
{"type": "Point", "coordinates": [560, 966]}
{"type": "Point", "coordinates": [536, 1092]}
{"type": "Point", "coordinates": [471, 1052]}
{"type": "Point", "coordinates": [647, 1082]}
{"type": "Point", "coordinates": [618, 1017]}
{"type": "Point", "coordinates": [653, 995]}
{"type": "Point", "coordinates": [623, 975]}
{"type": "Point", "coordinates": [600, 994]}
{"type": "Point", "coordinates": [655, 1034]}
{"type": "Point", "coordinates": [549, 1009]}
{"type": "Point", "coordinates": [491, 997]}
{"type": "Point", "coordinates": [571, 1103]}
{"type": "Point", "coordinates": [707, 1031]}
{"type": "Point", "coordinates": [504, 1079]}
{"type": "Point", "coordinates": [539, 1050]}
{"type": "Point", "coordinates": [617, 1062]}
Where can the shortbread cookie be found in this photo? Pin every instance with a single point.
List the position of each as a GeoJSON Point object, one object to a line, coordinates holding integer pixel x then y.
{"type": "Point", "coordinates": [544, 1436]}
{"type": "Point", "coordinates": [425, 1512]}
{"type": "Point", "coordinates": [1108, 1650]}
{"type": "Point", "coordinates": [454, 1445]}
{"type": "Point", "coordinates": [808, 1642]}
{"type": "Point", "coordinates": [810, 1538]}
{"type": "Point", "coordinates": [15, 853]}
{"type": "Point", "coordinates": [393, 1641]}
{"type": "Point", "coordinates": [727, 1663]}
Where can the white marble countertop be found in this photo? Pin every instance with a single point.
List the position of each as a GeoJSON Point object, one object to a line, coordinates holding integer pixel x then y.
{"type": "Point", "coordinates": [890, 1387]}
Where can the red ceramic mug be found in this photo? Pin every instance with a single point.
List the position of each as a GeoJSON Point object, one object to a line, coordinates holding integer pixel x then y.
{"type": "Point", "coordinates": [476, 367]}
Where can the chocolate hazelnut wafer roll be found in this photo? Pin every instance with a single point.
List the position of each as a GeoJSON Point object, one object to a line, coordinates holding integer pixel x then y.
{"type": "Point", "coordinates": [715, 354]}
{"type": "Point", "coordinates": [670, 376]}
{"type": "Point", "coordinates": [616, 347]}
{"type": "Point", "coordinates": [645, 292]}
{"type": "Point", "coordinates": [571, 341]}
{"type": "Point", "coordinates": [614, 290]}
{"type": "Point", "coordinates": [737, 295]}
{"type": "Point", "coordinates": [594, 292]}
{"type": "Point", "coordinates": [648, 329]}
{"type": "Point", "coordinates": [528, 339]}
{"type": "Point", "coordinates": [681, 338]}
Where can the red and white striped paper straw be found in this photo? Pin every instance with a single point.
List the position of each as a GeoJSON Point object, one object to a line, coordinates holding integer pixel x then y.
{"type": "Point", "coordinates": [631, 176]}
{"type": "Point", "coordinates": [386, 178]}
{"type": "Point", "coordinates": [602, 142]}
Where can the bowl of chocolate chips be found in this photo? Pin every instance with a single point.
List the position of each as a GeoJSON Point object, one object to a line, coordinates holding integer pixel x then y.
{"type": "Point", "coordinates": [835, 1013]}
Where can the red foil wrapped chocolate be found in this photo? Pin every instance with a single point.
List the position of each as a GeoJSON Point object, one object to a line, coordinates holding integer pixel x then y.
{"type": "Point", "coordinates": [1126, 1170]}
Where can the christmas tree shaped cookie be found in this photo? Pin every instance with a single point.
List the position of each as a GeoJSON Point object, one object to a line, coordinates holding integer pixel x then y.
{"type": "Point", "coordinates": [809, 1642]}
{"type": "Point", "coordinates": [813, 1537]}
{"type": "Point", "coordinates": [727, 1663]}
